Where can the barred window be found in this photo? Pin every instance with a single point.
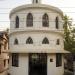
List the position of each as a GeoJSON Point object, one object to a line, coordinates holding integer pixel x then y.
{"type": "Point", "coordinates": [17, 22]}
{"type": "Point", "coordinates": [57, 22]}
{"type": "Point", "coordinates": [16, 42]}
{"type": "Point", "coordinates": [45, 20]}
{"type": "Point", "coordinates": [58, 60]}
{"type": "Point", "coordinates": [29, 20]}
{"type": "Point", "coordinates": [45, 41]}
{"type": "Point", "coordinates": [0, 48]}
{"type": "Point", "coordinates": [29, 41]}
{"type": "Point", "coordinates": [36, 1]}
{"type": "Point", "coordinates": [15, 59]}
{"type": "Point", "coordinates": [4, 63]}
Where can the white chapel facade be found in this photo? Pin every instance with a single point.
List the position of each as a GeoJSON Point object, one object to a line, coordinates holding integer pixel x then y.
{"type": "Point", "coordinates": [36, 40]}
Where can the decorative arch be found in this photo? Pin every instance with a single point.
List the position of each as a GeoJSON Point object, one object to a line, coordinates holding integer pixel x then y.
{"type": "Point", "coordinates": [57, 22]}
{"type": "Point", "coordinates": [45, 20]}
{"type": "Point", "coordinates": [17, 22]}
{"type": "Point", "coordinates": [29, 21]}
{"type": "Point", "coordinates": [29, 41]}
{"type": "Point", "coordinates": [45, 41]}
{"type": "Point", "coordinates": [16, 41]}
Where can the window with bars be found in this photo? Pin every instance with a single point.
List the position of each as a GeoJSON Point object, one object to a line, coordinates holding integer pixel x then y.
{"type": "Point", "coordinates": [29, 41]}
{"type": "Point", "coordinates": [57, 22]}
{"type": "Point", "coordinates": [36, 1]}
{"type": "Point", "coordinates": [17, 22]}
{"type": "Point", "coordinates": [58, 60]}
{"type": "Point", "coordinates": [45, 41]}
{"type": "Point", "coordinates": [4, 63]}
{"type": "Point", "coordinates": [15, 59]}
{"type": "Point", "coordinates": [29, 21]}
{"type": "Point", "coordinates": [45, 20]}
{"type": "Point", "coordinates": [0, 48]}
{"type": "Point", "coordinates": [16, 41]}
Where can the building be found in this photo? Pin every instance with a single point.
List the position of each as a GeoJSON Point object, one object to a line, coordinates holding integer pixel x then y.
{"type": "Point", "coordinates": [4, 57]}
{"type": "Point", "coordinates": [36, 40]}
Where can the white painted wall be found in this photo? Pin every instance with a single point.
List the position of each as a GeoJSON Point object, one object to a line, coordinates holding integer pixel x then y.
{"type": "Point", "coordinates": [37, 33]}
{"type": "Point", "coordinates": [24, 61]}
{"type": "Point", "coordinates": [37, 42]}
{"type": "Point", "coordinates": [37, 19]}
{"type": "Point", "coordinates": [51, 66]}
{"type": "Point", "coordinates": [23, 66]}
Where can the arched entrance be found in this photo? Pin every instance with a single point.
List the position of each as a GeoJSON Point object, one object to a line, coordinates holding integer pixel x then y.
{"type": "Point", "coordinates": [38, 64]}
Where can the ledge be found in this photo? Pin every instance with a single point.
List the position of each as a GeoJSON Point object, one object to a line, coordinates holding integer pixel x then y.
{"type": "Point", "coordinates": [61, 32]}
{"type": "Point", "coordinates": [39, 51]}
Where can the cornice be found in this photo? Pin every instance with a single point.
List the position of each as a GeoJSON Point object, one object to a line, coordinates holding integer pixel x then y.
{"type": "Point", "coordinates": [37, 31]}
{"type": "Point", "coordinates": [36, 6]}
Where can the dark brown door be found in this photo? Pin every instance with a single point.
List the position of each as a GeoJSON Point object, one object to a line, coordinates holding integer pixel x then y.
{"type": "Point", "coordinates": [38, 64]}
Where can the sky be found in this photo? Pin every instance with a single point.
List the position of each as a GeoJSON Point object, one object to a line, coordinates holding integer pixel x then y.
{"type": "Point", "coordinates": [67, 6]}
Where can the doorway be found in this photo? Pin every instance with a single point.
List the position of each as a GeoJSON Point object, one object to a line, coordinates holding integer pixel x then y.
{"type": "Point", "coordinates": [38, 64]}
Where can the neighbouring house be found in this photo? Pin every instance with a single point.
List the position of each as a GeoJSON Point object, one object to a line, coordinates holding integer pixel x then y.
{"type": "Point", "coordinates": [4, 57]}
{"type": "Point", "coordinates": [36, 44]}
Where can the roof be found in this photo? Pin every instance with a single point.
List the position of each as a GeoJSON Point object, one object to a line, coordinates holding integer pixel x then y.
{"type": "Point", "coordinates": [36, 6]}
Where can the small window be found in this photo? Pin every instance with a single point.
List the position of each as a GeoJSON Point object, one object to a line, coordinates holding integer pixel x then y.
{"type": "Point", "coordinates": [4, 63]}
{"type": "Point", "coordinates": [58, 60]}
{"type": "Point", "coordinates": [29, 20]}
{"type": "Point", "coordinates": [58, 42]}
{"type": "Point", "coordinates": [17, 22]}
{"type": "Point", "coordinates": [45, 41]}
{"type": "Point", "coordinates": [29, 41]}
{"type": "Point", "coordinates": [8, 61]}
{"type": "Point", "coordinates": [36, 1]}
{"type": "Point", "coordinates": [51, 60]}
{"type": "Point", "coordinates": [5, 45]}
{"type": "Point", "coordinates": [15, 59]}
{"type": "Point", "coordinates": [0, 48]}
{"type": "Point", "coordinates": [45, 20]}
{"type": "Point", "coordinates": [57, 22]}
{"type": "Point", "coordinates": [16, 42]}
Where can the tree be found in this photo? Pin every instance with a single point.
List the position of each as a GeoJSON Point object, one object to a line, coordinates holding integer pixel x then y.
{"type": "Point", "coordinates": [69, 41]}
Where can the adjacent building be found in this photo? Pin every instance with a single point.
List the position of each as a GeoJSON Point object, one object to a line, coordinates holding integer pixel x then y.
{"type": "Point", "coordinates": [4, 57]}
{"type": "Point", "coordinates": [36, 40]}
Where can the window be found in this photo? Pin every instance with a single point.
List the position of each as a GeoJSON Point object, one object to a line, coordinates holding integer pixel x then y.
{"type": "Point", "coordinates": [58, 42]}
{"type": "Point", "coordinates": [17, 22]}
{"type": "Point", "coordinates": [51, 60]}
{"type": "Point", "coordinates": [8, 61]}
{"type": "Point", "coordinates": [16, 42]}
{"type": "Point", "coordinates": [45, 20]}
{"type": "Point", "coordinates": [5, 45]}
{"type": "Point", "coordinates": [36, 1]}
{"type": "Point", "coordinates": [29, 20]}
{"type": "Point", "coordinates": [45, 41]}
{"type": "Point", "coordinates": [15, 59]}
{"type": "Point", "coordinates": [4, 63]}
{"type": "Point", "coordinates": [58, 60]}
{"type": "Point", "coordinates": [29, 41]}
{"type": "Point", "coordinates": [57, 22]}
{"type": "Point", "coordinates": [0, 48]}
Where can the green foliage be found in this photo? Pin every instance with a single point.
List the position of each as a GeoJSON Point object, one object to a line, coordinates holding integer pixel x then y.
{"type": "Point", "coordinates": [69, 43]}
